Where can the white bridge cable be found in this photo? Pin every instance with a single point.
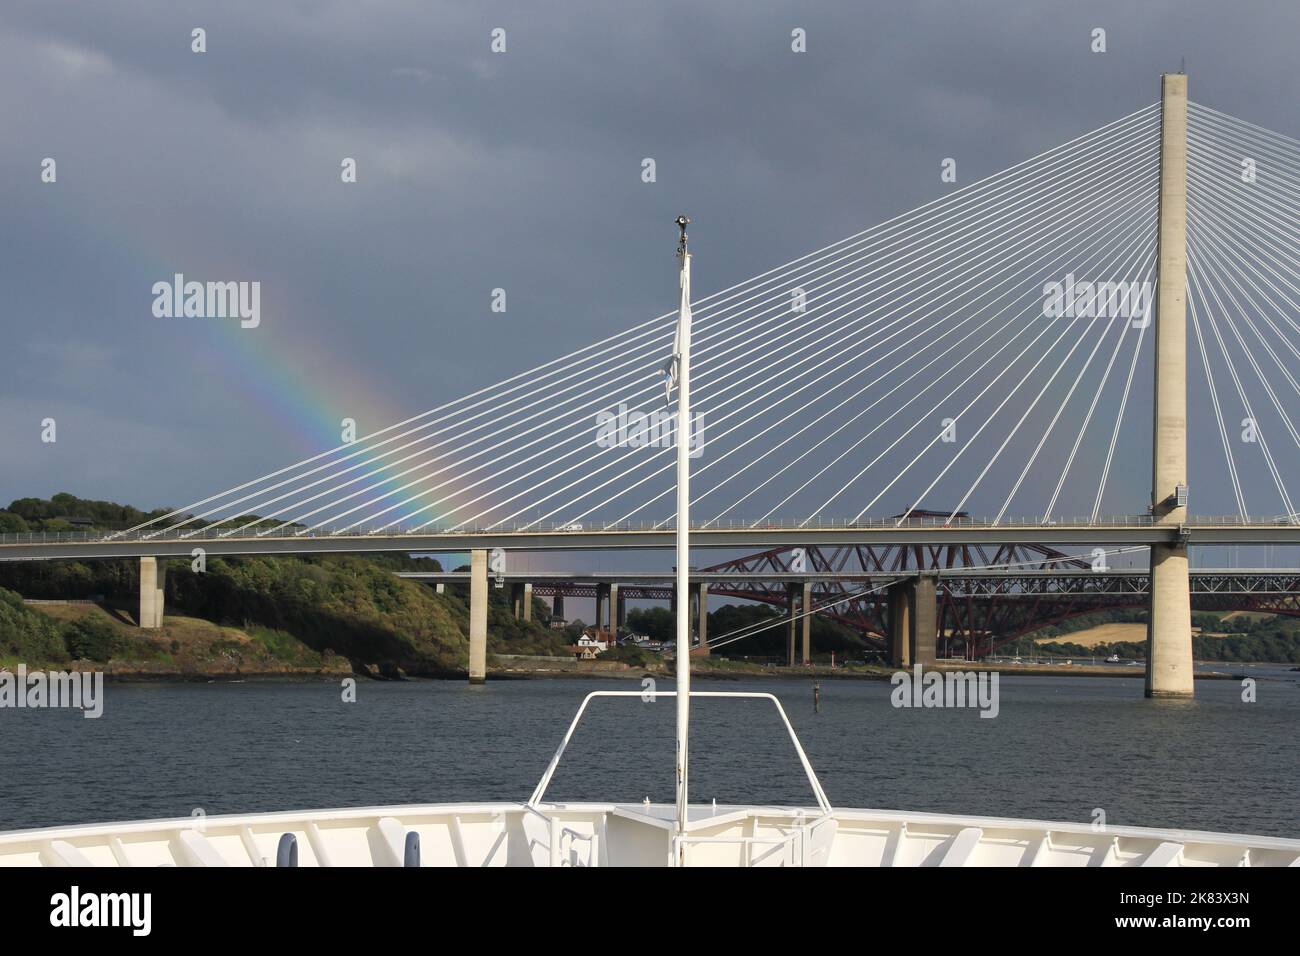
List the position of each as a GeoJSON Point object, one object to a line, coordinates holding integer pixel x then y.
{"type": "Point", "coordinates": [925, 416]}
{"type": "Point", "coordinates": [1206, 125]}
{"type": "Point", "coordinates": [934, 340]}
{"type": "Point", "coordinates": [759, 347]}
{"type": "Point", "coordinates": [1246, 200]}
{"type": "Point", "coordinates": [1234, 277]}
{"type": "Point", "coordinates": [1229, 282]}
{"type": "Point", "coordinates": [1195, 271]}
{"type": "Point", "coordinates": [1005, 368]}
{"type": "Point", "coordinates": [1212, 209]}
{"type": "Point", "coordinates": [702, 305]}
{"type": "Point", "coordinates": [1233, 240]}
{"type": "Point", "coordinates": [1211, 166]}
{"type": "Point", "coordinates": [621, 491]}
{"type": "Point", "coordinates": [1119, 341]}
{"type": "Point", "coordinates": [1216, 281]}
{"type": "Point", "coordinates": [1015, 429]}
{"type": "Point", "coordinates": [426, 508]}
{"type": "Point", "coordinates": [1137, 259]}
{"type": "Point", "coordinates": [495, 412]}
{"type": "Point", "coordinates": [1119, 424]}
{"type": "Point", "coordinates": [989, 200]}
{"type": "Point", "coordinates": [255, 501]}
{"type": "Point", "coordinates": [1204, 113]}
{"type": "Point", "coordinates": [717, 460]}
{"type": "Point", "coordinates": [810, 319]}
{"type": "Point", "coordinates": [1214, 399]}
{"type": "Point", "coordinates": [1212, 212]}
{"type": "Point", "coordinates": [1087, 420]}
{"type": "Point", "coordinates": [1205, 162]}
{"type": "Point", "coordinates": [829, 436]}
{"type": "Point", "coordinates": [531, 374]}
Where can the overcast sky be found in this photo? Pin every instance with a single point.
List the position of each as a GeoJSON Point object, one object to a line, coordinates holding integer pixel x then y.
{"type": "Point", "coordinates": [479, 170]}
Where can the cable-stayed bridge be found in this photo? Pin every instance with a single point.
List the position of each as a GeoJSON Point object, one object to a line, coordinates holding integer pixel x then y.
{"type": "Point", "coordinates": [1029, 347]}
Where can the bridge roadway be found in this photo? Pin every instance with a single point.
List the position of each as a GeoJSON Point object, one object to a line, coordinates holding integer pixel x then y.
{"type": "Point", "coordinates": [1108, 532]}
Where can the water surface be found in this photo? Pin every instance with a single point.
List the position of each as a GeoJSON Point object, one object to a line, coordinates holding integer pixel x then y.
{"type": "Point", "coordinates": [1059, 748]}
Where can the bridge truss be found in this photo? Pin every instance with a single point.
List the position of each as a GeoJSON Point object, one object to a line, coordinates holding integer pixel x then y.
{"type": "Point", "coordinates": [987, 597]}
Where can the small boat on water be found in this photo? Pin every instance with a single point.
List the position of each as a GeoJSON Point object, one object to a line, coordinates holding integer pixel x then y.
{"type": "Point", "coordinates": [539, 833]}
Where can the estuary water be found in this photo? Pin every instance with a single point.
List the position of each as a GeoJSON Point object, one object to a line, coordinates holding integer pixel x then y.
{"type": "Point", "coordinates": [1060, 748]}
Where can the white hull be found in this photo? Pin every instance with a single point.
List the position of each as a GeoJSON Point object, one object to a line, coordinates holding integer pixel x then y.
{"type": "Point", "coordinates": [601, 834]}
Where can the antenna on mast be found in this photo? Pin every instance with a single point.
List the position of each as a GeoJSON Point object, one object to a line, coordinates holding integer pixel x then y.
{"type": "Point", "coordinates": [681, 376]}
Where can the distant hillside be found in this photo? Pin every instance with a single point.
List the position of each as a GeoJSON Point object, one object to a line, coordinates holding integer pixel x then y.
{"type": "Point", "coordinates": [352, 607]}
{"type": "Point", "coordinates": [66, 512]}
{"type": "Point", "coordinates": [40, 514]}
{"type": "Point", "coordinates": [1231, 637]}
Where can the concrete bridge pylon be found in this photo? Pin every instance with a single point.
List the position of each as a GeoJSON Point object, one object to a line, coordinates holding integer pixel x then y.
{"type": "Point", "coordinates": [1169, 623]}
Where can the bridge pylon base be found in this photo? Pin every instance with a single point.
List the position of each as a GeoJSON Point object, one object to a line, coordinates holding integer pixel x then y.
{"type": "Point", "coordinates": [152, 589]}
{"type": "Point", "coordinates": [1169, 625]}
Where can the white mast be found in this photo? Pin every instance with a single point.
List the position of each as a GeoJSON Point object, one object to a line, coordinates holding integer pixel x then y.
{"type": "Point", "coordinates": [681, 371]}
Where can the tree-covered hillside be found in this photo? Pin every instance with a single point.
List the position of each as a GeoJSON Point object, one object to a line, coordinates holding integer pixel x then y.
{"type": "Point", "coordinates": [351, 606]}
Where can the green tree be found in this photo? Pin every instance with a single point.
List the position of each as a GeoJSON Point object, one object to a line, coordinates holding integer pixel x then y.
{"type": "Point", "coordinates": [88, 639]}
{"type": "Point", "coordinates": [11, 523]}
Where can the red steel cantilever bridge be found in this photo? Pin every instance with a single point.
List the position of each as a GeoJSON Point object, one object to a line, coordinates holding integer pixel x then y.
{"type": "Point", "coordinates": [986, 596]}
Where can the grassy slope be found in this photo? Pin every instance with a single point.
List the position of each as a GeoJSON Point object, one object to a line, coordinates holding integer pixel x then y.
{"type": "Point", "coordinates": [186, 646]}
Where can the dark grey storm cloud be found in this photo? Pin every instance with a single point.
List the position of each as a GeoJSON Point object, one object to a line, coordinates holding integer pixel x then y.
{"type": "Point", "coordinates": [479, 171]}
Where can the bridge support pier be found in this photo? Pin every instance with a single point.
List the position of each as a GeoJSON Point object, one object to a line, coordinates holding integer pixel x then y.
{"type": "Point", "coordinates": [805, 608]}
{"type": "Point", "coordinates": [153, 580]}
{"type": "Point", "coordinates": [1169, 625]}
{"type": "Point", "coordinates": [899, 625]}
{"type": "Point", "coordinates": [793, 592]}
{"type": "Point", "coordinates": [913, 621]}
{"type": "Point", "coordinates": [602, 607]}
{"type": "Point", "coordinates": [1169, 622]}
{"type": "Point", "coordinates": [521, 601]}
{"type": "Point", "coordinates": [619, 603]}
{"type": "Point", "coordinates": [700, 618]}
{"type": "Point", "coordinates": [614, 601]}
{"type": "Point", "coordinates": [478, 605]}
{"type": "Point", "coordinates": [925, 619]}
{"type": "Point", "coordinates": [557, 607]}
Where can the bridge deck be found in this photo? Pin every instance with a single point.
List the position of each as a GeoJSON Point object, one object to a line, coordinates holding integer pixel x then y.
{"type": "Point", "coordinates": [1120, 531]}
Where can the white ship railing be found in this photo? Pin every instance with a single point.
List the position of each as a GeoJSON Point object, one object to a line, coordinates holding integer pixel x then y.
{"type": "Point", "coordinates": [540, 791]}
{"type": "Point", "coordinates": [806, 845]}
{"type": "Point", "coordinates": [559, 838]}
{"type": "Point", "coordinates": [796, 847]}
